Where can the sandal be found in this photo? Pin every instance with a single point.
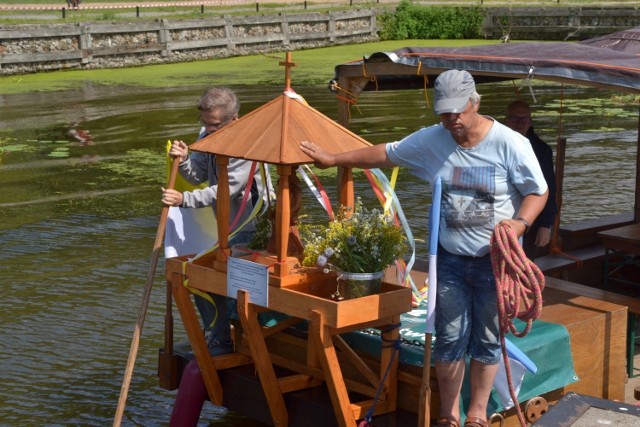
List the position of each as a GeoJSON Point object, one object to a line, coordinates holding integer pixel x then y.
{"type": "Point", "coordinates": [447, 422]}
{"type": "Point", "coordinates": [475, 422]}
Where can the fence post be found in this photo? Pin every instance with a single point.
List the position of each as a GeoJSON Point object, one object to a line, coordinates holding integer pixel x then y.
{"type": "Point", "coordinates": [137, 11]}
{"type": "Point", "coordinates": [64, 13]}
{"type": "Point", "coordinates": [257, 7]}
{"type": "Point", "coordinates": [202, 9]}
{"type": "Point", "coordinates": [305, 4]}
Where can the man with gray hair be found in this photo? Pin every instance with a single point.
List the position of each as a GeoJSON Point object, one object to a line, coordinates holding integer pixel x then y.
{"type": "Point", "coordinates": [218, 107]}
{"type": "Point", "coordinates": [489, 175]}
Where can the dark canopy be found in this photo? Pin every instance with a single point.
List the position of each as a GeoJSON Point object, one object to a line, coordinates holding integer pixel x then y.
{"type": "Point", "coordinates": [566, 62]}
{"type": "Point", "coordinates": [627, 41]}
{"type": "Point", "coordinates": [592, 63]}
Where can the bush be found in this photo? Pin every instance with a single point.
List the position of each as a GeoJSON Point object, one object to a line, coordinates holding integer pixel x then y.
{"type": "Point", "coordinates": [431, 22]}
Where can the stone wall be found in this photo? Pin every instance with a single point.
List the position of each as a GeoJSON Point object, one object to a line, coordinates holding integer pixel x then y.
{"type": "Point", "coordinates": [33, 48]}
{"type": "Point", "coordinates": [558, 23]}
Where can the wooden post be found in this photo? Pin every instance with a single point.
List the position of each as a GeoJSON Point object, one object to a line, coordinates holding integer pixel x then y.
{"type": "Point", "coordinates": [636, 207]}
{"type": "Point", "coordinates": [196, 338]}
{"type": "Point", "coordinates": [561, 147]}
{"type": "Point", "coordinates": [347, 197]}
{"type": "Point", "coordinates": [167, 361]}
{"type": "Point", "coordinates": [288, 65]}
{"type": "Point", "coordinates": [223, 213]}
{"type": "Point", "coordinates": [262, 361]}
{"type": "Point", "coordinates": [283, 217]}
{"type": "Point", "coordinates": [320, 335]}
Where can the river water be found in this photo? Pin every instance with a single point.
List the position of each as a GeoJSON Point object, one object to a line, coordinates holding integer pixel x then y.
{"type": "Point", "coordinates": [80, 178]}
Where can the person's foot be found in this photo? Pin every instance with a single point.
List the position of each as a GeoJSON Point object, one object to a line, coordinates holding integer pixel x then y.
{"type": "Point", "coordinates": [447, 422]}
{"type": "Point", "coordinates": [217, 347]}
{"type": "Point", "coordinates": [475, 422]}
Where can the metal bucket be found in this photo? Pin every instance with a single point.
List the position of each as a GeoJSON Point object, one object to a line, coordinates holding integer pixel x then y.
{"type": "Point", "coordinates": [356, 285]}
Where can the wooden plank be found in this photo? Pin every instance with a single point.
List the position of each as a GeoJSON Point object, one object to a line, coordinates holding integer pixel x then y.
{"type": "Point", "coordinates": [623, 239]}
{"type": "Point", "coordinates": [558, 262]}
{"type": "Point", "coordinates": [593, 226]}
{"type": "Point", "coordinates": [196, 338]}
{"type": "Point", "coordinates": [319, 334]}
{"type": "Point", "coordinates": [598, 331]}
{"type": "Point", "coordinates": [21, 58]}
{"type": "Point", "coordinates": [262, 361]}
{"type": "Point", "coordinates": [633, 304]}
{"type": "Point", "coordinates": [197, 44]}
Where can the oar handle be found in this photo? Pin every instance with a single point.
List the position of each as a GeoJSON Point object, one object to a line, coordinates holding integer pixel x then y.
{"type": "Point", "coordinates": [135, 341]}
{"type": "Point", "coordinates": [165, 209]}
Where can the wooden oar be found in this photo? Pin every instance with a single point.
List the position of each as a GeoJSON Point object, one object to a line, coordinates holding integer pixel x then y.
{"type": "Point", "coordinates": [424, 407]}
{"type": "Point", "coordinates": [135, 341]}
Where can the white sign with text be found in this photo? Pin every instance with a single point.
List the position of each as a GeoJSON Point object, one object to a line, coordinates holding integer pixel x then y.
{"type": "Point", "coordinates": [252, 277]}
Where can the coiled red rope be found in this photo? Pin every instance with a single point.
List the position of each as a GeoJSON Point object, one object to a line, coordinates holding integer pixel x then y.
{"type": "Point", "coordinates": [519, 282]}
{"type": "Point", "coordinates": [519, 285]}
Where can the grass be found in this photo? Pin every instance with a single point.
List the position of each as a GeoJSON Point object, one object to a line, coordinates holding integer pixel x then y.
{"type": "Point", "coordinates": [315, 67]}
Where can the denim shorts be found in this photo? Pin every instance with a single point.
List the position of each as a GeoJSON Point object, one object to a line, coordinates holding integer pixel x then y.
{"type": "Point", "coordinates": [466, 310]}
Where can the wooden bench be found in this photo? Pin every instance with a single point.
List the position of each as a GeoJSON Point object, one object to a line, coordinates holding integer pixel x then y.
{"type": "Point", "coordinates": [581, 243]}
{"type": "Point", "coordinates": [594, 226]}
{"type": "Point", "coordinates": [632, 304]}
{"type": "Point", "coordinates": [555, 263]}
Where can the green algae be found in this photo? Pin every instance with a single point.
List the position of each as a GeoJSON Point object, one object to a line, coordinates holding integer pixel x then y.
{"type": "Point", "coordinates": [315, 66]}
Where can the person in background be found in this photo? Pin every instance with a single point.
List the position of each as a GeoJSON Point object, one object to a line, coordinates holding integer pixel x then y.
{"type": "Point", "coordinates": [519, 119]}
{"type": "Point", "coordinates": [218, 107]}
{"type": "Point", "coordinates": [489, 175]}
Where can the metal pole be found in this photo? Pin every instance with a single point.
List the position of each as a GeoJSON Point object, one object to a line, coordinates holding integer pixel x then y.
{"type": "Point", "coordinates": [137, 11]}
{"type": "Point", "coordinates": [305, 4]}
{"type": "Point", "coordinates": [64, 13]}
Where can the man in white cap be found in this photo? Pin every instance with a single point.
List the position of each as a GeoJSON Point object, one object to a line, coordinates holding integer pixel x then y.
{"type": "Point", "coordinates": [489, 175]}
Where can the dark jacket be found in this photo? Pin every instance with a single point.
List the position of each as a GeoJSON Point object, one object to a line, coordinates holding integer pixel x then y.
{"type": "Point", "coordinates": [545, 157]}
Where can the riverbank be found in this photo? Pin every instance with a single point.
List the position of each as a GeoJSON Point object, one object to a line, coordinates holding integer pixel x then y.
{"type": "Point", "coordinates": [315, 67]}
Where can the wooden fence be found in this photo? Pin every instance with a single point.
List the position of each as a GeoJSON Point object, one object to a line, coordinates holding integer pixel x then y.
{"type": "Point", "coordinates": [100, 45]}
{"type": "Point", "coordinates": [32, 48]}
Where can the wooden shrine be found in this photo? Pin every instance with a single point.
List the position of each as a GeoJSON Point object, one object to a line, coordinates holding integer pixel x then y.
{"type": "Point", "coordinates": [272, 134]}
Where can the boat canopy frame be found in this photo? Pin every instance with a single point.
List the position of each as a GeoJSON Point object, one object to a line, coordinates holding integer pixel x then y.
{"type": "Point", "coordinates": [561, 62]}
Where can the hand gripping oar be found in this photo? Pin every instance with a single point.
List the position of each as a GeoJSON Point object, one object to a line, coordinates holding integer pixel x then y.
{"type": "Point", "coordinates": [424, 409]}
{"type": "Point", "coordinates": [135, 341]}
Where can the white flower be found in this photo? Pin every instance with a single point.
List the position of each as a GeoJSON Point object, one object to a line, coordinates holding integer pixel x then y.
{"type": "Point", "coordinates": [322, 261]}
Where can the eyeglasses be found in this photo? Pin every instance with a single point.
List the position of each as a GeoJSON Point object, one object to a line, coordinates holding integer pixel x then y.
{"type": "Point", "coordinates": [515, 118]}
{"type": "Point", "coordinates": [212, 126]}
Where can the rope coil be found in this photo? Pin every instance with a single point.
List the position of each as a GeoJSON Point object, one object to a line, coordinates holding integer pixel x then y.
{"type": "Point", "coordinates": [519, 282]}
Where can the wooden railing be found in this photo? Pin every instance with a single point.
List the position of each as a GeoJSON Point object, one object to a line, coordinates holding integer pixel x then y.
{"type": "Point", "coordinates": [111, 44]}
{"type": "Point", "coordinates": [104, 45]}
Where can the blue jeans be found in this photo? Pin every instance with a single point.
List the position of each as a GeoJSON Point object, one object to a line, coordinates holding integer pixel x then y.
{"type": "Point", "coordinates": [466, 310]}
{"type": "Point", "coordinates": [225, 307]}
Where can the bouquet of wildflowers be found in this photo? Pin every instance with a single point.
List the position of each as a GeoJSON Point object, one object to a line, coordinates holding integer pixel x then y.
{"type": "Point", "coordinates": [358, 241]}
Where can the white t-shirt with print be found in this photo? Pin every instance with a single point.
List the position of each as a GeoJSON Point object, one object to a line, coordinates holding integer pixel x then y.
{"type": "Point", "coordinates": [481, 185]}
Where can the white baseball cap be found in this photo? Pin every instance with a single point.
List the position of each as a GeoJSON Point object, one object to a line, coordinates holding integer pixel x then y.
{"type": "Point", "coordinates": [453, 89]}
